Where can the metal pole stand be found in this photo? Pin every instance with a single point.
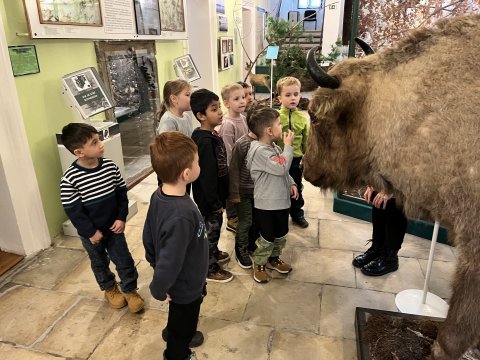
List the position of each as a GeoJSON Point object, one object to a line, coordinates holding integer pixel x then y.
{"type": "Point", "coordinates": [422, 302]}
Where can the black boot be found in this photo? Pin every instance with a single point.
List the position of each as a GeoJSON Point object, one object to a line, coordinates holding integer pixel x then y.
{"type": "Point", "coordinates": [197, 339]}
{"type": "Point", "coordinates": [382, 265]}
{"type": "Point", "coordinates": [369, 255]}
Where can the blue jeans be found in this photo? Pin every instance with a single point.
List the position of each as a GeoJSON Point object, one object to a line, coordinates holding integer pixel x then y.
{"type": "Point", "coordinates": [114, 247]}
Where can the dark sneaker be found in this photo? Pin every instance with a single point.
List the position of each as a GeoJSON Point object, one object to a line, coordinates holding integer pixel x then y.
{"type": "Point", "coordinates": [369, 255]}
{"type": "Point", "coordinates": [381, 266]}
{"type": "Point", "coordinates": [301, 222]}
{"type": "Point", "coordinates": [277, 264]}
{"type": "Point", "coordinates": [223, 257]}
{"type": "Point", "coordinates": [232, 224]}
{"type": "Point", "coordinates": [260, 274]}
{"type": "Point", "coordinates": [220, 276]}
{"type": "Point", "coordinates": [243, 258]}
{"type": "Point", "coordinates": [197, 339]}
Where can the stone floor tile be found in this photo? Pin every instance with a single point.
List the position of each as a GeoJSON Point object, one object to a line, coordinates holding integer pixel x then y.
{"type": "Point", "coordinates": [343, 235]}
{"type": "Point", "coordinates": [419, 248]}
{"type": "Point", "coordinates": [79, 332]}
{"type": "Point", "coordinates": [233, 341]}
{"type": "Point", "coordinates": [81, 281]}
{"type": "Point", "coordinates": [10, 352]}
{"type": "Point", "coordinates": [323, 266]}
{"type": "Point", "coordinates": [285, 304]}
{"type": "Point", "coordinates": [142, 192]}
{"type": "Point", "coordinates": [337, 315]}
{"type": "Point", "coordinates": [50, 267]}
{"type": "Point", "coordinates": [69, 242]}
{"type": "Point", "coordinates": [27, 312]}
{"type": "Point", "coordinates": [307, 237]}
{"type": "Point", "coordinates": [145, 276]}
{"type": "Point", "coordinates": [133, 234]}
{"type": "Point", "coordinates": [408, 276]}
{"type": "Point", "coordinates": [227, 301]}
{"type": "Point", "coordinates": [135, 336]}
{"type": "Point", "coordinates": [139, 218]}
{"type": "Point", "coordinates": [291, 345]}
{"type": "Point", "coordinates": [441, 277]}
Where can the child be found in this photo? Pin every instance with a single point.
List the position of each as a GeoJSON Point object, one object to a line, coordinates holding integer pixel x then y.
{"type": "Point", "coordinates": [175, 241]}
{"type": "Point", "coordinates": [210, 190]}
{"type": "Point", "coordinates": [250, 101]}
{"type": "Point", "coordinates": [273, 187]}
{"type": "Point", "coordinates": [174, 112]}
{"type": "Point", "coordinates": [94, 196]}
{"type": "Point", "coordinates": [241, 194]}
{"type": "Point", "coordinates": [288, 90]}
{"type": "Point", "coordinates": [233, 127]}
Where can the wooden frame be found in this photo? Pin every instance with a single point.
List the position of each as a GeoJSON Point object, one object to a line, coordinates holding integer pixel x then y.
{"type": "Point", "coordinates": [70, 12]}
{"type": "Point", "coordinates": [172, 15]}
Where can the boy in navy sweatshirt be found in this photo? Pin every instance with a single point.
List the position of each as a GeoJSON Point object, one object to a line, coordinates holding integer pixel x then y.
{"type": "Point", "coordinates": [175, 241]}
{"type": "Point", "coordinates": [94, 196]}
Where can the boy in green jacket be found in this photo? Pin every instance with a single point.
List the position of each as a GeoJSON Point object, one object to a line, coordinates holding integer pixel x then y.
{"type": "Point", "coordinates": [288, 90]}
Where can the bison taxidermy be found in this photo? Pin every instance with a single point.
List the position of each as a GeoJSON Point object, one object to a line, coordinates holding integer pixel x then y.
{"type": "Point", "coordinates": [407, 120]}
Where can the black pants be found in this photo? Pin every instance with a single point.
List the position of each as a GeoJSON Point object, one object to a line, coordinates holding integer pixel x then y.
{"type": "Point", "coordinates": [389, 227]}
{"type": "Point", "coordinates": [271, 224]}
{"type": "Point", "coordinates": [296, 172]}
{"type": "Point", "coordinates": [182, 325]}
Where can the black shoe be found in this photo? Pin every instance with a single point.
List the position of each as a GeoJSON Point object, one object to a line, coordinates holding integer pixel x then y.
{"type": "Point", "coordinates": [243, 258]}
{"type": "Point", "coordinates": [381, 266]}
{"type": "Point", "coordinates": [369, 255]}
{"type": "Point", "coordinates": [301, 222]}
{"type": "Point", "coordinates": [197, 339]}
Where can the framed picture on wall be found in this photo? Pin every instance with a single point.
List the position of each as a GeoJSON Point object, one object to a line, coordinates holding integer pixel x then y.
{"type": "Point", "coordinates": [222, 23]}
{"type": "Point", "coordinates": [24, 60]}
{"type": "Point", "coordinates": [70, 12]}
{"type": "Point", "coordinates": [147, 16]}
{"type": "Point", "coordinates": [186, 69]}
{"type": "Point", "coordinates": [225, 52]}
{"type": "Point", "coordinates": [172, 15]}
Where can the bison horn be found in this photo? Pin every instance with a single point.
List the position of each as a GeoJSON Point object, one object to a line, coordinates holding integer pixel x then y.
{"type": "Point", "coordinates": [318, 74]}
{"type": "Point", "coordinates": [365, 47]}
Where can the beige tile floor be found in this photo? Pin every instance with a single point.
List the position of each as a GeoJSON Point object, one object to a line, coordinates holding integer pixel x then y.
{"type": "Point", "coordinates": [51, 307]}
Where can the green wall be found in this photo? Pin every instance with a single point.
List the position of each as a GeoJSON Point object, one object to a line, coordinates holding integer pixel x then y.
{"type": "Point", "coordinates": [43, 108]}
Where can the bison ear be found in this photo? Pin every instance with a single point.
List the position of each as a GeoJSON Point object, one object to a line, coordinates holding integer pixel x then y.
{"type": "Point", "coordinates": [330, 106]}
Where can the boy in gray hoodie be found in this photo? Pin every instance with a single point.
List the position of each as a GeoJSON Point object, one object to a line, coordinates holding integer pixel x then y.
{"type": "Point", "coordinates": [273, 187]}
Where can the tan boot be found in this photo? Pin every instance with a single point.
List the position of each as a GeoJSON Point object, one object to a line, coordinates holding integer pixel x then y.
{"type": "Point", "coordinates": [135, 301]}
{"type": "Point", "coordinates": [115, 298]}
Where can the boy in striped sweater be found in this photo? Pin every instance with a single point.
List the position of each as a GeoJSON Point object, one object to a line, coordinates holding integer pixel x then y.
{"type": "Point", "coordinates": [94, 196]}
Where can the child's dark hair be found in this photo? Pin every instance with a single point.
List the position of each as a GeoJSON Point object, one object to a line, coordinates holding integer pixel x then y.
{"type": "Point", "coordinates": [260, 118]}
{"type": "Point", "coordinates": [170, 154]}
{"type": "Point", "coordinates": [244, 84]}
{"type": "Point", "coordinates": [75, 135]}
{"type": "Point", "coordinates": [200, 100]}
{"type": "Point", "coordinates": [171, 87]}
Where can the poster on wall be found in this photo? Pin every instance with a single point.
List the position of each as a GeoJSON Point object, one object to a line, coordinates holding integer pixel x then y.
{"type": "Point", "coordinates": [172, 15]}
{"type": "Point", "coordinates": [225, 52]}
{"type": "Point", "coordinates": [70, 12]}
{"type": "Point", "coordinates": [186, 69]}
{"type": "Point", "coordinates": [222, 23]}
{"type": "Point", "coordinates": [220, 6]}
{"type": "Point", "coordinates": [24, 60]}
{"type": "Point", "coordinates": [87, 92]}
{"type": "Point", "coordinates": [147, 16]}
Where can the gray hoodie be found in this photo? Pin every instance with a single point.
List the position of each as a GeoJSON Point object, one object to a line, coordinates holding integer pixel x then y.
{"type": "Point", "coordinates": [269, 170]}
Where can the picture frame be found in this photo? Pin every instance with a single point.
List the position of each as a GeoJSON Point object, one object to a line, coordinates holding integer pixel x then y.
{"type": "Point", "coordinates": [186, 69]}
{"type": "Point", "coordinates": [173, 15]}
{"type": "Point", "coordinates": [24, 60]}
{"type": "Point", "coordinates": [220, 6]}
{"type": "Point", "coordinates": [222, 23]}
{"type": "Point", "coordinates": [70, 12]}
{"type": "Point", "coordinates": [87, 92]}
{"type": "Point", "coordinates": [230, 45]}
{"type": "Point", "coordinates": [147, 17]}
{"type": "Point", "coordinates": [225, 52]}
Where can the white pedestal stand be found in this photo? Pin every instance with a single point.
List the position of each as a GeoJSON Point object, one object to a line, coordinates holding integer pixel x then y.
{"type": "Point", "coordinates": [420, 302]}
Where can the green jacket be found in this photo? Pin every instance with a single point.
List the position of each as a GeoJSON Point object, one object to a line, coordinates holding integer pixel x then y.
{"type": "Point", "coordinates": [294, 120]}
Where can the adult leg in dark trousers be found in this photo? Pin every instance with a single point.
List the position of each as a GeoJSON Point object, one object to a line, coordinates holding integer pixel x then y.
{"type": "Point", "coordinates": [182, 325]}
{"type": "Point", "coordinates": [389, 227]}
{"type": "Point", "coordinates": [296, 207]}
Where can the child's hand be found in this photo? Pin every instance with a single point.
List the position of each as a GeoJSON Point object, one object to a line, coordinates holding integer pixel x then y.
{"type": "Point", "coordinates": [118, 227]}
{"type": "Point", "coordinates": [168, 298]}
{"type": "Point", "coordinates": [220, 210]}
{"type": "Point", "coordinates": [294, 192]}
{"type": "Point", "coordinates": [95, 239]}
{"type": "Point", "coordinates": [368, 194]}
{"type": "Point", "coordinates": [288, 138]}
{"type": "Point", "coordinates": [381, 199]}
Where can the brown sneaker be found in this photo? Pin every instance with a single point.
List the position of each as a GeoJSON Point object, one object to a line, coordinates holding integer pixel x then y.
{"type": "Point", "coordinates": [260, 274]}
{"type": "Point", "coordinates": [232, 224]}
{"type": "Point", "coordinates": [223, 257]}
{"type": "Point", "coordinates": [220, 276]}
{"type": "Point", "coordinates": [115, 298]}
{"type": "Point", "coordinates": [135, 301]}
{"type": "Point", "coordinates": [277, 264]}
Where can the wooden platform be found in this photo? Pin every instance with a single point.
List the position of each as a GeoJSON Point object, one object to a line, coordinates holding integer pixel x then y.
{"type": "Point", "coordinates": [8, 261]}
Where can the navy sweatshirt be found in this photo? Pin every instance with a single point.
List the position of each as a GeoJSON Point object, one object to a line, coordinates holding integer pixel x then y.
{"type": "Point", "coordinates": [176, 246]}
{"type": "Point", "coordinates": [210, 190]}
{"type": "Point", "coordinates": [94, 198]}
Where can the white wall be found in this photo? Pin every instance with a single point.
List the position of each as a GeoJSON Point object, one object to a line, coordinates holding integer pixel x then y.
{"type": "Point", "coordinates": [291, 5]}
{"type": "Point", "coordinates": [23, 227]}
{"type": "Point", "coordinates": [333, 24]}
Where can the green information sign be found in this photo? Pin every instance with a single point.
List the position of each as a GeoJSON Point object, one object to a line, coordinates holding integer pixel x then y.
{"type": "Point", "coordinates": [24, 60]}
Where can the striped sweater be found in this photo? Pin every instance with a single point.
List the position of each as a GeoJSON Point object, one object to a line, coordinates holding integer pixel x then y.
{"type": "Point", "coordinates": [239, 176]}
{"type": "Point", "coordinates": [94, 198]}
